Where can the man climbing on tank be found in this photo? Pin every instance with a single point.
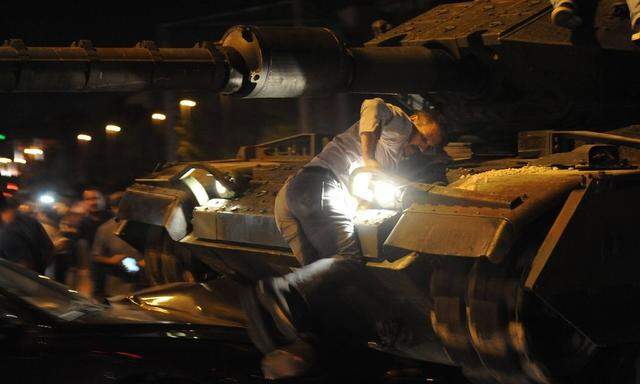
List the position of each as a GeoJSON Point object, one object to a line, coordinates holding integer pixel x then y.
{"type": "Point", "coordinates": [314, 215]}
{"type": "Point", "coordinates": [567, 14]}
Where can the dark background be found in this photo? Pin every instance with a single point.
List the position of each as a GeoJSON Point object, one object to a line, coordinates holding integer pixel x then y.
{"type": "Point", "coordinates": [218, 125]}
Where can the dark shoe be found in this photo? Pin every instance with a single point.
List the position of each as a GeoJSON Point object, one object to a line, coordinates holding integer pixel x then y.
{"type": "Point", "coordinates": [293, 360]}
{"type": "Point", "coordinates": [565, 16]}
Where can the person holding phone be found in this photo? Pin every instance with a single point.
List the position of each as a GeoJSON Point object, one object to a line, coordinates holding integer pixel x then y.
{"type": "Point", "coordinates": [114, 260]}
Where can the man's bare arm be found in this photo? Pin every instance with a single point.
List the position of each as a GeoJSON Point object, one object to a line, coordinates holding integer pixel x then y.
{"type": "Point", "coordinates": [369, 141]}
{"type": "Point", "coordinates": [374, 113]}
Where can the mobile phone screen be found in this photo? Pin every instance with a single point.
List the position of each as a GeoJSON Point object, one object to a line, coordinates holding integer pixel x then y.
{"type": "Point", "coordinates": [130, 264]}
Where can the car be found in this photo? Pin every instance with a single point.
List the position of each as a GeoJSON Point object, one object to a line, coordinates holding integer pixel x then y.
{"type": "Point", "coordinates": [173, 334]}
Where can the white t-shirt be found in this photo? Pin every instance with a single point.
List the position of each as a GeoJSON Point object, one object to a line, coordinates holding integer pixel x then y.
{"type": "Point", "coordinates": [344, 152]}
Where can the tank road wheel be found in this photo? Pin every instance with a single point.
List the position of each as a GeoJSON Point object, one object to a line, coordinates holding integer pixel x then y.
{"type": "Point", "coordinates": [166, 261]}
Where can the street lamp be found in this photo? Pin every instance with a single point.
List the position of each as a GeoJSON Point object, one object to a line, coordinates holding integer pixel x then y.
{"type": "Point", "coordinates": [187, 103]}
{"type": "Point", "coordinates": [35, 151]}
{"type": "Point", "coordinates": [159, 116]}
{"type": "Point", "coordinates": [83, 137]}
{"type": "Point", "coordinates": [112, 128]}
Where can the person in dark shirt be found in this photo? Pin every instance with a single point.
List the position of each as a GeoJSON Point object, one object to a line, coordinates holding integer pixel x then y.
{"type": "Point", "coordinates": [97, 214]}
{"type": "Point", "coordinates": [113, 257]}
{"type": "Point", "coordinates": [95, 206]}
{"type": "Point", "coordinates": [23, 240]}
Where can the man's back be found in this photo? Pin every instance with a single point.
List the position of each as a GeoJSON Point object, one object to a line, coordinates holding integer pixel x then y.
{"type": "Point", "coordinates": [89, 225]}
{"type": "Point", "coordinates": [344, 152]}
{"type": "Point", "coordinates": [106, 243]}
{"type": "Point", "coordinates": [25, 241]}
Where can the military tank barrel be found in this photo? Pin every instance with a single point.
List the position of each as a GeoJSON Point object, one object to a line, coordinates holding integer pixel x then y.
{"type": "Point", "coordinates": [81, 67]}
{"type": "Point", "coordinates": [272, 62]}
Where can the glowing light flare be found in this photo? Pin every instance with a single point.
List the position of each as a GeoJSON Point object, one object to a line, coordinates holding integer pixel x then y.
{"type": "Point", "coordinates": [47, 199]}
{"type": "Point", "coordinates": [5, 160]}
{"type": "Point", "coordinates": [339, 200]}
{"type": "Point", "coordinates": [187, 103]}
{"type": "Point", "coordinates": [159, 116]}
{"type": "Point", "coordinates": [19, 160]}
{"type": "Point", "coordinates": [35, 151]}
{"type": "Point", "coordinates": [361, 186]}
{"type": "Point", "coordinates": [156, 300]}
{"type": "Point", "coordinates": [385, 193]}
{"type": "Point", "coordinates": [112, 128]}
{"type": "Point", "coordinates": [84, 137]}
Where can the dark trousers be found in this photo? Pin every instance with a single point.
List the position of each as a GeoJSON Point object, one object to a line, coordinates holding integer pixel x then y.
{"type": "Point", "coordinates": [315, 216]}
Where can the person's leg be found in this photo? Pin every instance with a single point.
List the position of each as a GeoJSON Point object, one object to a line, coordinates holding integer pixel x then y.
{"type": "Point", "coordinates": [83, 268]}
{"type": "Point", "coordinates": [291, 230]}
{"type": "Point", "coordinates": [322, 207]}
{"type": "Point", "coordinates": [277, 312]}
{"type": "Point", "coordinates": [335, 301]}
{"type": "Point", "coordinates": [565, 14]}
{"type": "Point", "coordinates": [61, 265]}
{"type": "Point", "coordinates": [99, 278]}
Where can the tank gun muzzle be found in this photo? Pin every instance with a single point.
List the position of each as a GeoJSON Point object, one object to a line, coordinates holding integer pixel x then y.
{"type": "Point", "coordinates": [274, 62]}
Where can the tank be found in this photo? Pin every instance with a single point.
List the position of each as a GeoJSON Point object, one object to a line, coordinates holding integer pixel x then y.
{"type": "Point", "coordinates": [522, 269]}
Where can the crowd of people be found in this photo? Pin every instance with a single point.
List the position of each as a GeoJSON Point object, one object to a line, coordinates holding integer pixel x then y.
{"type": "Point", "coordinates": [73, 243]}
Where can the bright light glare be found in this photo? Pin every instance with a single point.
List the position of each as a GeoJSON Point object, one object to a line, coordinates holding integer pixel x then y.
{"type": "Point", "coordinates": [112, 128]}
{"type": "Point", "coordinates": [361, 186]}
{"type": "Point", "coordinates": [156, 300]}
{"type": "Point", "coordinates": [385, 193]}
{"type": "Point", "coordinates": [83, 137]}
{"type": "Point", "coordinates": [340, 200]}
{"type": "Point", "coordinates": [130, 264]}
{"type": "Point", "coordinates": [159, 116]}
{"type": "Point", "coordinates": [223, 191]}
{"type": "Point", "coordinates": [5, 160]}
{"type": "Point", "coordinates": [187, 103]}
{"type": "Point", "coordinates": [34, 151]}
{"type": "Point", "coordinates": [19, 160]}
{"type": "Point", "coordinates": [196, 188]}
{"type": "Point", "coordinates": [47, 199]}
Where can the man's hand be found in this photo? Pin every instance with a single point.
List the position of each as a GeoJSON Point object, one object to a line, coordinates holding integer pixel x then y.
{"type": "Point", "coordinates": [117, 259]}
{"type": "Point", "coordinates": [372, 163]}
{"type": "Point", "coordinates": [109, 260]}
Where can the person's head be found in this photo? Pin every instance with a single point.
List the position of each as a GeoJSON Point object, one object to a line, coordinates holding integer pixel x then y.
{"type": "Point", "coordinates": [8, 209]}
{"type": "Point", "coordinates": [428, 133]}
{"type": "Point", "coordinates": [94, 200]}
